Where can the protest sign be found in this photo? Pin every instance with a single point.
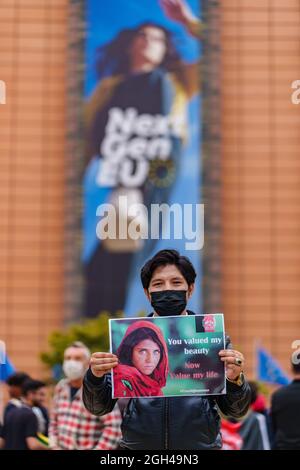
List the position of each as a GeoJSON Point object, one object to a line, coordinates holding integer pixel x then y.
{"type": "Point", "coordinates": [168, 356]}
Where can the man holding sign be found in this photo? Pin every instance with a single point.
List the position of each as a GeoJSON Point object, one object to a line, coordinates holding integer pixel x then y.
{"type": "Point", "coordinates": [181, 422]}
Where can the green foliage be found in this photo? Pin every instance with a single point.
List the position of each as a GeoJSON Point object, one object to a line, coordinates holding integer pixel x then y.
{"type": "Point", "coordinates": [94, 333]}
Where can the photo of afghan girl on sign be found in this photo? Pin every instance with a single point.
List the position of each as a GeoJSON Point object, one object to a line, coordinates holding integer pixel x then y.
{"type": "Point", "coordinates": [143, 362]}
{"type": "Point", "coordinates": [168, 356]}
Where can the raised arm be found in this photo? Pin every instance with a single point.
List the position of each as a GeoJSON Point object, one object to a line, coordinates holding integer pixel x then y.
{"type": "Point", "coordinates": [179, 11]}
{"type": "Point", "coordinates": [97, 390]}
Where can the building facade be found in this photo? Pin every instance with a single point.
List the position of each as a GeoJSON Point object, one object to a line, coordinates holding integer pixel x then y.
{"type": "Point", "coordinates": [257, 183]}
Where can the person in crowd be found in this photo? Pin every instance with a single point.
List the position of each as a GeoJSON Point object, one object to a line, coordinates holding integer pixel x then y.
{"type": "Point", "coordinates": [72, 426]}
{"type": "Point", "coordinates": [248, 433]}
{"type": "Point", "coordinates": [169, 422]}
{"type": "Point", "coordinates": [285, 411]}
{"type": "Point", "coordinates": [20, 429]}
{"type": "Point", "coordinates": [15, 383]}
{"type": "Point", "coordinates": [260, 406]}
{"type": "Point", "coordinates": [40, 410]}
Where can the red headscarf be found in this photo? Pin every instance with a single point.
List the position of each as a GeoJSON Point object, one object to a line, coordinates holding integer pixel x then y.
{"type": "Point", "coordinates": [129, 381]}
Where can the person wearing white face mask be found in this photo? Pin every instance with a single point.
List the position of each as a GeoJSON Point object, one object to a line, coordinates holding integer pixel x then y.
{"type": "Point", "coordinates": [73, 370]}
{"type": "Point", "coordinates": [72, 427]}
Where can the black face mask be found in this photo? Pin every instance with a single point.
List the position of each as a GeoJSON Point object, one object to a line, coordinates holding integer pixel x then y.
{"type": "Point", "coordinates": [168, 302]}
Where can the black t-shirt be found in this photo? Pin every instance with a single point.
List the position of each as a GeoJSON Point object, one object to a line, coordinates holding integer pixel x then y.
{"type": "Point", "coordinates": [11, 405]}
{"type": "Point", "coordinates": [285, 416]}
{"type": "Point", "coordinates": [20, 423]}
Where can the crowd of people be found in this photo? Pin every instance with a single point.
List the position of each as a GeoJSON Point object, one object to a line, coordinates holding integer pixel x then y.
{"type": "Point", "coordinates": [84, 416]}
{"type": "Point", "coordinates": [27, 423]}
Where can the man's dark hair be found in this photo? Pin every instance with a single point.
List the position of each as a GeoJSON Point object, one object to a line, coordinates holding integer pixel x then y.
{"type": "Point", "coordinates": [31, 385]}
{"type": "Point", "coordinates": [163, 258]}
{"type": "Point", "coordinates": [134, 338]}
{"type": "Point", "coordinates": [17, 379]}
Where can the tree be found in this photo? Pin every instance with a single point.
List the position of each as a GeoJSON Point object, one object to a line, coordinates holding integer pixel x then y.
{"type": "Point", "coordinates": [94, 333]}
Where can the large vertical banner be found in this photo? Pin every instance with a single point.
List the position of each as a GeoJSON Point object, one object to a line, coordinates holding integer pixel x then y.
{"type": "Point", "coordinates": [142, 120]}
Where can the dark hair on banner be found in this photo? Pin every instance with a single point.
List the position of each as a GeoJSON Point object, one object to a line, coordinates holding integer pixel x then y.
{"type": "Point", "coordinates": [113, 57]}
{"type": "Point", "coordinates": [163, 258]}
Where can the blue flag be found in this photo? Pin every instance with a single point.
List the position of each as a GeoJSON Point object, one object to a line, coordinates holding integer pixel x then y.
{"type": "Point", "coordinates": [268, 369]}
{"type": "Point", "coordinates": [6, 369]}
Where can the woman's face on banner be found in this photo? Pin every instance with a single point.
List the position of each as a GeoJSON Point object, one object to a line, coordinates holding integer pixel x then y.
{"type": "Point", "coordinates": [146, 356]}
{"type": "Point", "coordinates": [149, 45]}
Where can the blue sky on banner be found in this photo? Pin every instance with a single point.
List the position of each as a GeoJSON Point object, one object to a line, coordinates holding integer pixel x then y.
{"type": "Point", "coordinates": [118, 15]}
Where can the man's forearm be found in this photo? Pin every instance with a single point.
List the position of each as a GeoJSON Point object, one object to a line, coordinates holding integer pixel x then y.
{"type": "Point", "coordinates": [97, 394]}
{"type": "Point", "coordinates": [236, 402]}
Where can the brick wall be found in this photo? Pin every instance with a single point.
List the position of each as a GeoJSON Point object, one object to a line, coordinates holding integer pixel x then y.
{"type": "Point", "coordinates": [261, 174]}
{"type": "Point", "coordinates": [32, 140]}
